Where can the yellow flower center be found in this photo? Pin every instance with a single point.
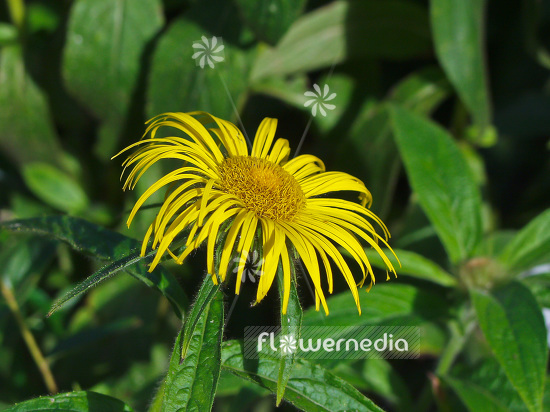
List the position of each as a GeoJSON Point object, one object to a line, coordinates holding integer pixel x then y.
{"type": "Point", "coordinates": [262, 186]}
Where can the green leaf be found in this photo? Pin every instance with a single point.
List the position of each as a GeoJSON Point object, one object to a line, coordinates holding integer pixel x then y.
{"type": "Point", "coordinates": [103, 58]}
{"type": "Point", "coordinates": [81, 401]}
{"type": "Point", "coordinates": [345, 30]}
{"type": "Point", "coordinates": [270, 19]}
{"type": "Point", "coordinates": [539, 285]}
{"type": "Point", "coordinates": [310, 387]}
{"type": "Point", "coordinates": [180, 84]}
{"type": "Point", "coordinates": [55, 187]}
{"type": "Point", "coordinates": [489, 377]}
{"type": "Point", "coordinates": [290, 323]}
{"type": "Point", "coordinates": [23, 260]}
{"type": "Point", "coordinates": [371, 133]}
{"type": "Point", "coordinates": [103, 244]}
{"type": "Point", "coordinates": [207, 292]}
{"type": "Point", "coordinates": [383, 379]}
{"type": "Point", "coordinates": [530, 246]}
{"type": "Point", "coordinates": [8, 34]}
{"type": "Point", "coordinates": [195, 364]}
{"type": "Point", "coordinates": [413, 264]}
{"type": "Point", "coordinates": [458, 37]}
{"type": "Point", "coordinates": [383, 302]}
{"type": "Point", "coordinates": [444, 184]}
{"type": "Point", "coordinates": [476, 398]}
{"type": "Point", "coordinates": [27, 131]}
{"type": "Point", "coordinates": [422, 91]}
{"type": "Point", "coordinates": [513, 325]}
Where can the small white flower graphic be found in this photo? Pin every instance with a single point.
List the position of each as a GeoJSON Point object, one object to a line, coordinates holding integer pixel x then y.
{"type": "Point", "coordinates": [206, 51]}
{"type": "Point", "coordinates": [319, 100]}
{"type": "Point", "coordinates": [288, 344]}
{"type": "Point", "coordinates": [252, 264]}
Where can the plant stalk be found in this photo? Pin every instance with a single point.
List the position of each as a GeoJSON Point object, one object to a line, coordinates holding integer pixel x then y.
{"type": "Point", "coordinates": [28, 337]}
{"type": "Point", "coordinates": [17, 12]}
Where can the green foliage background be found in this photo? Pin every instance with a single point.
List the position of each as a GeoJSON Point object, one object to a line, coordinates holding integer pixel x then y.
{"type": "Point", "coordinates": [442, 109]}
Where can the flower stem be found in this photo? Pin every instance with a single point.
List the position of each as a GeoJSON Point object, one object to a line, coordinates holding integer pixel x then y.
{"type": "Point", "coordinates": [28, 337]}
{"type": "Point", "coordinates": [17, 12]}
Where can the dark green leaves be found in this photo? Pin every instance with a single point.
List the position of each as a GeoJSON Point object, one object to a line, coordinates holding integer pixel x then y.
{"type": "Point", "coordinates": [445, 187]}
{"type": "Point", "coordinates": [458, 28]}
{"type": "Point", "coordinates": [270, 19]}
{"type": "Point", "coordinates": [27, 130]}
{"type": "Point", "coordinates": [73, 402]}
{"type": "Point", "coordinates": [342, 30]}
{"type": "Point", "coordinates": [194, 369]}
{"type": "Point", "coordinates": [103, 244]}
{"type": "Point", "coordinates": [103, 55]}
{"type": "Point", "coordinates": [310, 387]}
{"type": "Point", "coordinates": [475, 397]}
{"type": "Point", "coordinates": [517, 335]}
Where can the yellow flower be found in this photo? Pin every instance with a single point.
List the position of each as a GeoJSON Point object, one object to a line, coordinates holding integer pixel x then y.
{"type": "Point", "coordinates": [270, 203]}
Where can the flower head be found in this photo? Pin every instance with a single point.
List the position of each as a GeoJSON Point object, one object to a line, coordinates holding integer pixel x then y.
{"type": "Point", "coordinates": [239, 201]}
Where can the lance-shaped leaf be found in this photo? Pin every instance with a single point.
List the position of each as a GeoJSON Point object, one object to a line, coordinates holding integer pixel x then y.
{"type": "Point", "coordinates": [102, 244]}
{"type": "Point", "coordinates": [457, 28]}
{"type": "Point", "coordinates": [530, 246]}
{"type": "Point", "coordinates": [517, 335]}
{"type": "Point", "coordinates": [444, 184]}
{"type": "Point", "coordinates": [291, 322]}
{"type": "Point", "coordinates": [195, 364]}
{"type": "Point", "coordinates": [413, 264]}
{"type": "Point", "coordinates": [72, 402]}
{"type": "Point", "coordinates": [310, 387]}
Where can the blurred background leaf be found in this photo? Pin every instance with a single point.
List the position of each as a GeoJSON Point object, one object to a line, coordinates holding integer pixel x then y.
{"type": "Point", "coordinates": [103, 58]}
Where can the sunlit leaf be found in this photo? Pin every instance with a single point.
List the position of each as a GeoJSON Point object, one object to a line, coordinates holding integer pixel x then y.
{"type": "Point", "coordinates": [310, 386]}
{"type": "Point", "coordinates": [290, 323]}
{"type": "Point", "coordinates": [458, 28]}
{"type": "Point", "coordinates": [195, 364]}
{"type": "Point", "coordinates": [444, 184]}
{"type": "Point", "coordinates": [81, 401]}
{"type": "Point", "coordinates": [530, 246]}
{"type": "Point", "coordinates": [517, 335]}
